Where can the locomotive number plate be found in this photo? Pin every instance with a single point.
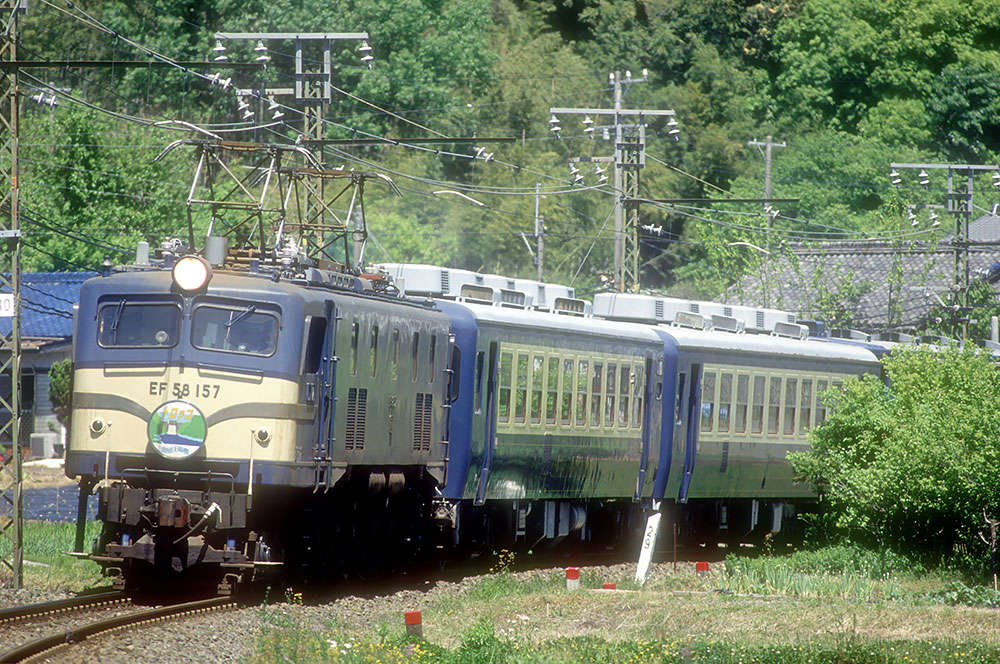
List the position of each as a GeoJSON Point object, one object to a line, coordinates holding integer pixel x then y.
{"type": "Point", "coordinates": [182, 390]}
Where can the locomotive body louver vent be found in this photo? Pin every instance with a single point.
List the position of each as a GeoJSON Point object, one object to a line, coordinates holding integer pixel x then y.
{"type": "Point", "coordinates": [727, 311]}
{"type": "Point", "coordinates": [760, 320]}
{"type": "Point", "coordinates": [423, 418]}
{"type": "Point", "coordinates": [694, 307]}
{"type": "Point", "coordinates": [445, 282]}
{"type": "Point", "coordinates": [357, 412]}
{"type": "Point", "coordinates": [658, 308]}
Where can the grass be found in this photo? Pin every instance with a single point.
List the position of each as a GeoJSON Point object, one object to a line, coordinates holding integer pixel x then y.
{"type": "Point", "coordinates": [837, 606]}
{"type": "Point", "coordinates": [46, 565]}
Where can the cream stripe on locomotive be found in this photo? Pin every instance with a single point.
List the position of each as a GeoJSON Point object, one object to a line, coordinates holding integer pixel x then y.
{"type": "Point", "coordinates": [749, 404]}
{"type": "Point", "coordinates": [233, 405]}
{"type": "Point", "coordinates": [543, 389]}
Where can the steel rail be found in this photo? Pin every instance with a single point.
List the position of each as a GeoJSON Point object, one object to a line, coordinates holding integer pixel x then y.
{"type": "Point", "coordinates": [27, 611]}
{"type": "Point", "coordinates": [30, 650]}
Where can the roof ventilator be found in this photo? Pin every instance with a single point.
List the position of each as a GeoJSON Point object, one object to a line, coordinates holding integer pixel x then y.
{"type": "Point", "coordinates": [728, 324]}
{"type": "Point", "coordinates": [570, 306]}
{"type": "Point", "coordinates": [514, 299]}
{"type": "Point", "coordinates": [691, 320]}
{"type": "Point", "coordinates": [791, 330]}
{"type": "Point", "coordinates": [477, 294]}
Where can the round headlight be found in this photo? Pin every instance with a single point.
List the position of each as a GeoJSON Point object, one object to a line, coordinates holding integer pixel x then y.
{"type": "Point", "coordinates": [192, 273]}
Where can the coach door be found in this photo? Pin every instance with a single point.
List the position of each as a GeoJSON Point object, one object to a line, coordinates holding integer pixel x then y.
{"type": "Point", "coordinates": [490, 425]}
{"type": "Point", "coordinates": [327, 398]}
{"type": "Point", "coordinates": [691, 436]}
{"type": "Point", "coordinates": [647, 408]}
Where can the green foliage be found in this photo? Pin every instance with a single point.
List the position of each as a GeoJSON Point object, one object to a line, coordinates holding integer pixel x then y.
{"type": "Point", "coordinates": [848, 85]}
{"type": "Point", "coordinates": [957, 593]}
{"type": "Point", "coordinates": [912, 467]}
{"type": "Point", "coordinates": [61, 389]}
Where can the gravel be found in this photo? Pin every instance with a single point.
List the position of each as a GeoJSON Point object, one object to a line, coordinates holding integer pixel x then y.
{"type": "Point", "coordinates": [229, 636]}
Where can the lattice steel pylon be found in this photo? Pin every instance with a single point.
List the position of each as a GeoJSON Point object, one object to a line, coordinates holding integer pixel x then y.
{"type": "Point", "coordinates": [268, 205]}
{"type": "Point", "coordinates": [11, 534]}
{"type": "Point", "coordinates": [630, 160]}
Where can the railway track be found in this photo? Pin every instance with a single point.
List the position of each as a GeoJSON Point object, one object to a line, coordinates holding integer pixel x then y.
{"type": "Point", "coordinates": [65, 638]}
{"type": "Point", "coordinates": [72, 604]}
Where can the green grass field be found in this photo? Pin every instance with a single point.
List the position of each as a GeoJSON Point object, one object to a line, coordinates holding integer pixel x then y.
{"type": "Point", "coordinates": [836, 606]}
{"type": "Point", "coordinates": [45, 563]}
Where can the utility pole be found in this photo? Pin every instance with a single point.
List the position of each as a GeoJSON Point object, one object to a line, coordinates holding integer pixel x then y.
{"type": "Point", "coordinates": [959, 203]}
{"type": "Point", "coordinates": [11, 480]}
{"type": "Point", "coordinates": [768, 144]}
{"type": "Point", "coordinates": [539, 235]}
{"type": "Point", "coordinates": [629, 158]}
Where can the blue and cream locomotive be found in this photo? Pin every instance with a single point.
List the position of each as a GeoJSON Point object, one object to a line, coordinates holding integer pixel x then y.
{"type": "Point", "coordinates": [241, 418]}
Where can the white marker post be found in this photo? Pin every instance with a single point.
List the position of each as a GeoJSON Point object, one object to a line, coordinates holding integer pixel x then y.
{"type": "Point", "coordinates": [648, 542]}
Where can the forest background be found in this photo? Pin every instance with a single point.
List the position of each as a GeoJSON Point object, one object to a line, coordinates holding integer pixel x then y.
{"type": "Point", "coordinates": [848, 85]}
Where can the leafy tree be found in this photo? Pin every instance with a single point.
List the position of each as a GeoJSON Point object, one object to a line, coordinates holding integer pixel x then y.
{"type": "Point", "coordinates": [61, 389]}
{"type": "Point", "coordinates": [910, 463]}
{"type": "Point", "coordinates": [92, 190]}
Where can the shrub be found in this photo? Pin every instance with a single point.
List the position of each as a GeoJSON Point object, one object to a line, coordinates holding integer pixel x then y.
{"type": "Point", "coordinates": [910, 464]}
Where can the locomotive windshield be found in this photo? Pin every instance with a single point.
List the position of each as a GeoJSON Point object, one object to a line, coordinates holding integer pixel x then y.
{"type": "Point", "coordinates": [138, 324]}
{"type": "Point", "coordinates": [234, 330]}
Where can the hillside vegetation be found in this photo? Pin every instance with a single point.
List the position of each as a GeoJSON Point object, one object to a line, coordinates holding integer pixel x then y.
{"type": "Point", "coordinates": [847, 85]}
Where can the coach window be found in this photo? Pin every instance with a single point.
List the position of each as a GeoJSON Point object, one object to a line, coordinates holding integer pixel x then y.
{"type": "Point", "coordinates": [725, 400]}
{"type": "Point", "coordinates": [394, 355]}
{"type": "Point", "coordinates": [479, 381]}
{"type": "Point", "coordinates": [742, 394]}
{"type": "Point", "coordinates": [431, 358]}
{"type": "Point", "coordinates": [595, 394]}
{"type": "Point", "coordinates": [354, 348]}
{"type": "Point", "coordinates": [610, 385]}
{"type": "Point", "coordinates": [820, 406]}
{"type": "Point", "coordinates": [707, 400]}
{"type": "Point", "coordinates": [415, 355]}
{"type": "Point", "coordinates": [373, 350]}
{"type": "Point", "coordinates": [552, 396]}
{"type": "Point", "coordinates": [581, 393]}
{"type": "Point", "coordinates": [679, 399]}
{"type": "Point", "coordinates": [625, 380]}
{"type": "Point", "coordinates": [774, 406]}
{"type": "Point", "coordinates": [805, 409]}
{"type": "Point", "coordinates": [791, 397]}
{"type": "Point", "coordinates": [521, 396]}
{"type": "Point", "coordinates": [138, 324]}
{"type": "Point", "coordinates": [537, 381]}
{"type": "Point", "coordinates": [566, 395]}
{"type": "Point", "coordinates": [638, 390]}
{"type": "Point", "coordinates": [757, 416]}
{"type": "Point", "coordinates": [506, 366]}
{"type": "Point", "coordinates": [314, 344]}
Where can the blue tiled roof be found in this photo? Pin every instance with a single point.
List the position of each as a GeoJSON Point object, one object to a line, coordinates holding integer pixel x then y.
{"type": "Point", "coordinates": [47, 300]}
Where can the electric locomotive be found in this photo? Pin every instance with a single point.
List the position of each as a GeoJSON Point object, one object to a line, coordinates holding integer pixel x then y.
{"type": "Point", "coordinates": [206, 405]}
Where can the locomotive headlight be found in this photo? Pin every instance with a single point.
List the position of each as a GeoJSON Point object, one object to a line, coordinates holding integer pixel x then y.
{"type": "Point", "coordinates": [192, 273]}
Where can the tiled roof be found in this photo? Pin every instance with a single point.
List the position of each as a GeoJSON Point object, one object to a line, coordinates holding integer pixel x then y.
{"type": "Point", "coordinates": [47, 300]}
{"type": "Point", "coordinates": [881, 284]}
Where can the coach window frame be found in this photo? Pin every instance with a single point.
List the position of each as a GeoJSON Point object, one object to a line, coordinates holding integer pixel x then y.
{"type": "Point", "coordinates": [124, 302]}
{"type": "Point", "coordinates": [263, 309]}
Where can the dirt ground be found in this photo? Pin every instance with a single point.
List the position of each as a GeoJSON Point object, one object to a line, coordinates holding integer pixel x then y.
{"type": "Point", "coordinates": [41, 476]}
